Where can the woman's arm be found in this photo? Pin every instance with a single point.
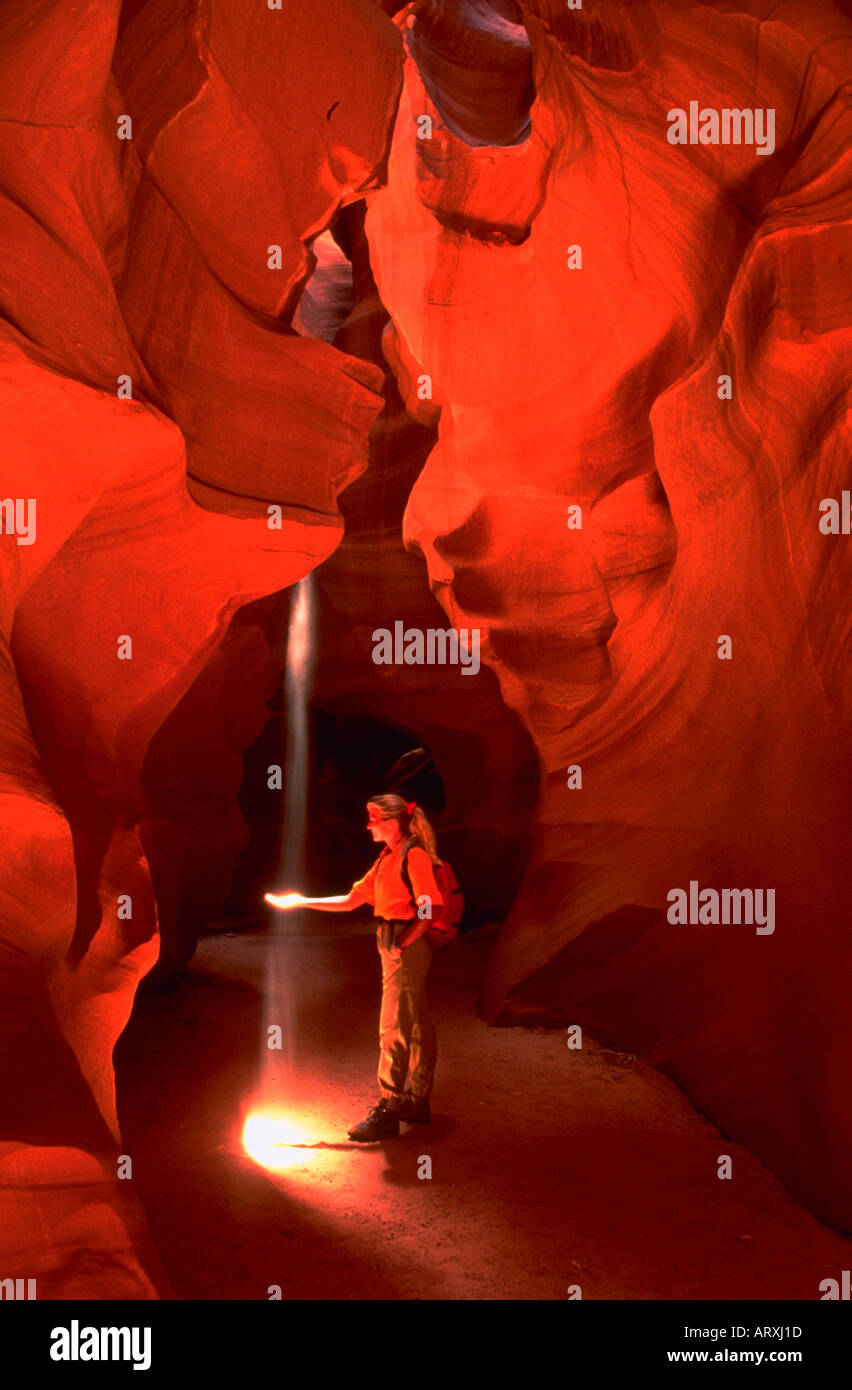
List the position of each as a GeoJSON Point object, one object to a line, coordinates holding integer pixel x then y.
{"type": "Point", "coordinates": [360, 892]}
{"type": "Point", "coordinates": [413, 932]}
{"type": "Point", "coordinates": [423, 884]}
{"type": "Point", "coordinates": [285, 901]}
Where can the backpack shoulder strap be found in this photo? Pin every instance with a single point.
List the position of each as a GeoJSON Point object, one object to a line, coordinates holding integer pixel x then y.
{"type": "Point", "coordinates": [403, 870]}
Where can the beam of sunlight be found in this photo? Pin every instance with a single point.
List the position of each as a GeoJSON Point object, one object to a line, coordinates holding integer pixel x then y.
{"type": "Point", "coordinates": [300, 653]}
{"type": "Point", "coordinates": [265, 1136]}
{"type": "Point", "coordinates": [277, 1140]}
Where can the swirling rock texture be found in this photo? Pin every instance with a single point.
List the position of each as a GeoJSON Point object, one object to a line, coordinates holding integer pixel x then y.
{"type": "Point", "coordinates": [177, 258]}
{"type": "Point", "coordinates": [597, 381]}
{"type": "Point", "coordinates": [370, 581]}
{"type": "Point", "coordinates": [145, 259]}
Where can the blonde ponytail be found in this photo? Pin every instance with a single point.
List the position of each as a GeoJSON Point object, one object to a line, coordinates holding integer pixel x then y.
{"type": "Point", "coordinates": [413, 822]}
{"type": "Point", "coordinates": [423, 833]}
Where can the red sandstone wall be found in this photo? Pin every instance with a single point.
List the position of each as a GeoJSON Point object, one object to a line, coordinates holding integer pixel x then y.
{"type": "Point", "coordinates": [552, 387]}
{"type": "Point", "coordinates": [144, 258]}
{"type": "Point", "coordinates": [601, 387]}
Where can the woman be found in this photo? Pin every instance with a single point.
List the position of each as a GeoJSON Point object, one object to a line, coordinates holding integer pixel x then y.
{"type": "Point", "coordinates": [407, 1040]}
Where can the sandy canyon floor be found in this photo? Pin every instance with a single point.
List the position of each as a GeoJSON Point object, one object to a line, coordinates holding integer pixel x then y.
{"type": "Point", "coordinates": [551, 1168]}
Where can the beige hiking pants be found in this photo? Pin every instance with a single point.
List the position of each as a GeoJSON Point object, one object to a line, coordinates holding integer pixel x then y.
{"type": "Point", "coordinates": [407, 1040]}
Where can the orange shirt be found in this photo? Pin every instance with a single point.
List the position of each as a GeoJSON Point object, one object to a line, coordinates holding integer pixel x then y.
{"type": "Point", "coordinates": [383, 886]}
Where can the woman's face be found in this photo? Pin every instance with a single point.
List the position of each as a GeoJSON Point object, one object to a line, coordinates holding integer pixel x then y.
{"type": "Point", "coordinates": [382, 827]}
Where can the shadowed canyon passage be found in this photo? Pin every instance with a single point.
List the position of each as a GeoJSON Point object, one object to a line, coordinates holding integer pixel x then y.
{"type": "Point", "coordinates": [551, 1168]}
{"type": "Point", "coordinates": [422, 301]}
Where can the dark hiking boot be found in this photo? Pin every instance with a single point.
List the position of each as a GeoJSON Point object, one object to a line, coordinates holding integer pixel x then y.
{"type": "Point", "coordinates": [415, 1109]}
{"type": "Point", "coordinates": [381, 1123]}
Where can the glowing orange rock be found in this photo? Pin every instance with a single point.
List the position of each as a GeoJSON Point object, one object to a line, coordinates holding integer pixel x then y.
{"type": "Point", "coordinates": [642, 356]}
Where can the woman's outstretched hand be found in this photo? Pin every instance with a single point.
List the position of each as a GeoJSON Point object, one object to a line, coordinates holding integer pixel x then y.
{"type": "Point", "coordinates": [283, 901]}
